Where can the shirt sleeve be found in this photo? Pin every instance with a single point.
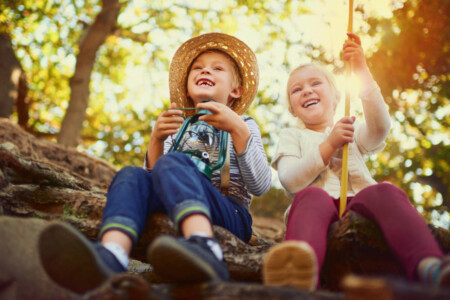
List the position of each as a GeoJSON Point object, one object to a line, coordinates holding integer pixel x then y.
{"type": "Point", "coordinates": [253, 164]}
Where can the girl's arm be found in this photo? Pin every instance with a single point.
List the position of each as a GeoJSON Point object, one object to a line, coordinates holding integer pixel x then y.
{"type": "Point", "coordinates": [297, 168]}
{"type": "Point", "coordinates": [376, 115]}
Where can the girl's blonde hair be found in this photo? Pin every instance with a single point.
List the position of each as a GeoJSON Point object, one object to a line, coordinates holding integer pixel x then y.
{"type": "Point", "coordinates": [325, 72]}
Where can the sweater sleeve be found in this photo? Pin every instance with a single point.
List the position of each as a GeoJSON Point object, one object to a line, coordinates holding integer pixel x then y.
{"type": "Point", "coordinates": [297, 168]}
{"type": "Point", "coordinates": [253, 163]}
{"type": "Point", "coordinates": [371, 134]}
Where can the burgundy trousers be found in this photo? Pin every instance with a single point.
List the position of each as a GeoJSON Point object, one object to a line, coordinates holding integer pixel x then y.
{"type": "Point", "coordinates": [406, 233]}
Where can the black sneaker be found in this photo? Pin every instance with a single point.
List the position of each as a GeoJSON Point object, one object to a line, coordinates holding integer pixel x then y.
{"type": "Point", "coordinates": [183, 260]}
{"type": "Point", "coordinates": [73, 261]}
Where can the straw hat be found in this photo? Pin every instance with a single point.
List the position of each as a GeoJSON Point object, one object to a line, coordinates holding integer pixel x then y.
{"type": "Point", "coordinates": [242, 55]}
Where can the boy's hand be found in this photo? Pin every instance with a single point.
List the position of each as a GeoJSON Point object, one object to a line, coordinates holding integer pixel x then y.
{"type": "Point", "coordinates": [167, 123]}
{"type": "Point", "coordinates": [354, 54]}
{"type": "Point", "coordinates": [342, 133]}
{"type": "Point", "coordinates": [222, 118]}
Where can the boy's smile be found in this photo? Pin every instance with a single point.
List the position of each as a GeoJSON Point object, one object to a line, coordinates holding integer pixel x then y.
{"type": "Point", "coordinates": [211, 77]}
{"type": "Point", "coordinates": [206, 82]}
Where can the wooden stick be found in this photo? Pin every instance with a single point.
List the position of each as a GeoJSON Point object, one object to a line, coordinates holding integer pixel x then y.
{"type": "Point", "coordinates": [344, 174]}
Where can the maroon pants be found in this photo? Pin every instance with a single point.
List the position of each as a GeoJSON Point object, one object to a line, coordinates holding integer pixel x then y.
{"type": "Point", "coordinates": [406, 233]}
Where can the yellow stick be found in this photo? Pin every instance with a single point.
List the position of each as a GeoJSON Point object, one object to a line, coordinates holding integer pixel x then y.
{"type": "Point", "coordinates": [344, 175]}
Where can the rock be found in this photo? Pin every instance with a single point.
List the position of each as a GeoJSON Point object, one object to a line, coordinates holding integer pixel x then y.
{"type": "Point", "coordinates": [21, 274]}
{"type": "Point", "coordinates": [42, 180]}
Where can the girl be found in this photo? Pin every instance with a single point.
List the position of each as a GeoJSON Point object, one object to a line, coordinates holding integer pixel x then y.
{"type": "Point", "coordinates": [308, 160]}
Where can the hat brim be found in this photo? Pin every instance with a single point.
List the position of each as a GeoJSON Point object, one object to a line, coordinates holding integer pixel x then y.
{"type": "Point", "coordinates": [242, 55]}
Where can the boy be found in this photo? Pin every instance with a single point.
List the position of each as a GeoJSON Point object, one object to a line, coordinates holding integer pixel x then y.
{"type": "Point", "coordinates": [211, 66]}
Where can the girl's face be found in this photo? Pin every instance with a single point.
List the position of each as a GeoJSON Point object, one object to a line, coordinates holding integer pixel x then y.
{"type": "Point", "coordinates": [211, 77]}
{"type": "Point", "coordinates": [312, 98]}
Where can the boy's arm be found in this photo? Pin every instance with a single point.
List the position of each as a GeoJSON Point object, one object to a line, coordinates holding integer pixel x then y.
{"type": "Point", "coordinates": [154, 151]}
{"type": "Point", "coordinates": [252, 160]}
{"type": "Point", "coordinates": [253, 163]}
{"type": "Point", "coordinates": [224, 118]}
{"type": "Point", "coordinates": [167, 124]}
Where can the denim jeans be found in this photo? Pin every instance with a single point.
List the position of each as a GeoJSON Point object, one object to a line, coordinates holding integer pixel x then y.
{"type": "Point", "coordinates": [174, 186]}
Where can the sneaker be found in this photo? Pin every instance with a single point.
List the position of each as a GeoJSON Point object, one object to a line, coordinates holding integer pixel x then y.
{"type": "Point", "coordinates": [183, 260]}
{"type": "Point", "coordinates": [291, 263]}
{"type": "Point", "coordinates": [73, 261]}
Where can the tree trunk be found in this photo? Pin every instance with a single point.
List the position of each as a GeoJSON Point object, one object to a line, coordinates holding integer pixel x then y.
{"type": "Point", "coordinates": [12, 81]}
{"type": "Point", "coordinates": [94, 37]}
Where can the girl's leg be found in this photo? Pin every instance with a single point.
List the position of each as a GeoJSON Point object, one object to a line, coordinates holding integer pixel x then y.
{"type": "Point", "coordinates": [298, 260]}
{"type": "Point", "coordinates": [310, 216]}
{"type": "Point", "coordinates": [406, 233]}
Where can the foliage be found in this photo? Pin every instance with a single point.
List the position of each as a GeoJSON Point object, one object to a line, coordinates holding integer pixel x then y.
{"type": "Point", "coordinates": [129, 83]}
{"type": "Point", "coordinates": [412, 66]}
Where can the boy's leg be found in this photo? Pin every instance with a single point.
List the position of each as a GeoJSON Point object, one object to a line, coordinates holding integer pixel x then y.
{"type": "Point", "coordinates": [67, 255]}
{"type": "Point", "coordinates": [194, 205]}
{"type": "Point", "coordinates": [73, 261]}
{"type": "Point", "coordinates": [405, 232]}
{"type": "Point", "coordinates": [185, 191]}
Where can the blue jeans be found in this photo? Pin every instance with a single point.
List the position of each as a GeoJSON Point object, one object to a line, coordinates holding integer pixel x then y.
{"type": "Point", "coordinates": [174, 186]}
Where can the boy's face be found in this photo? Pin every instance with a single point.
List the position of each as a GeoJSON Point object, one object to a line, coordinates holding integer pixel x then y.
{"type": "Point", "coordinates": [211, 77]}
{"type": "Point", "coordinates": [312, 98]}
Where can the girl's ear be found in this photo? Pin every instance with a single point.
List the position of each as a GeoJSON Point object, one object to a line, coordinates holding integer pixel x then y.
{"type": "Point", "coordinates": [338, 99]}
{"type": "Point", "coordinates": [291, 111]}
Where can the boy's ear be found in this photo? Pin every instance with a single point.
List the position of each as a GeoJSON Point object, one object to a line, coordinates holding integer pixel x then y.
{"type": "Point", "coordinates": [236, 92]}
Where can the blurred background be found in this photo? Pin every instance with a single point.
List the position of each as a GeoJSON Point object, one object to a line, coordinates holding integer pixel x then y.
{"type": "Point", "coordinates": [94, 75]}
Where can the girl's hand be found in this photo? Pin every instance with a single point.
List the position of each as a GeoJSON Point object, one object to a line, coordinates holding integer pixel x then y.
{"type": "Point", "coordinates": [342, 133]}
{"type": "Point", "coordinates": [167, 123]}
{"type": "Point", "coordinates": [354, 54]}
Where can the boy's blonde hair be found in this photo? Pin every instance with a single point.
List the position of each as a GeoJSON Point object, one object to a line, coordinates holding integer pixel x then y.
{"type": "Point", "coordinates": [325, 72]}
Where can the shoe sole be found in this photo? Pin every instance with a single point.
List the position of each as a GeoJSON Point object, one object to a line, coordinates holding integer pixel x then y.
{"type": "Point", "coordinates": [176, 263]}
{"type": "Point", "coordinates": [291, 263]}
{"type": "Point", "coordinates": [70, 260]}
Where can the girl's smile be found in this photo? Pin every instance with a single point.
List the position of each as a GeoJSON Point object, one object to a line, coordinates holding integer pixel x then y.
{"type": "Point", "coordinates": [312, 98]}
